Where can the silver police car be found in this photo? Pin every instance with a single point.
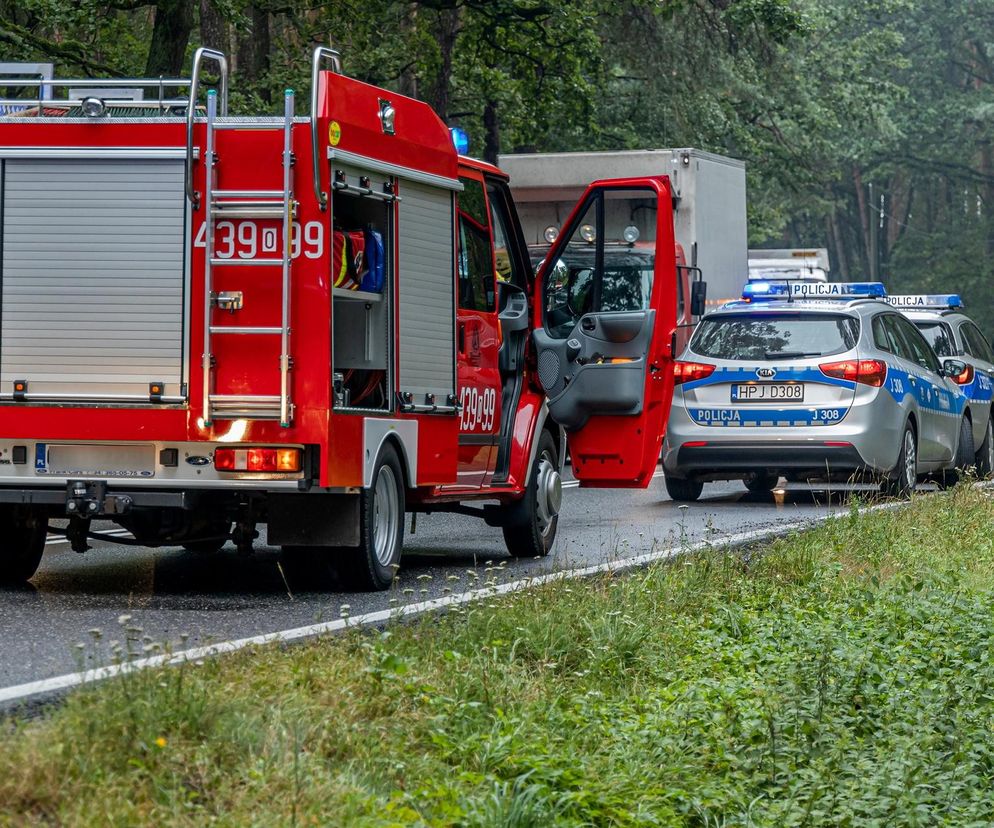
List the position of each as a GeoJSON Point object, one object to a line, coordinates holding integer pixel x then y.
{"type": "Point", "coordinates": [813, 380]}
{"type": "Point", "coordinates": [952, 333]}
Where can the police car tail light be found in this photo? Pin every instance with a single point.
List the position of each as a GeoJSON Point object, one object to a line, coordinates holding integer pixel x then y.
{"type": "Point", "coordinates": [866, 371]}
{"type": "Point", "coordinates": [966, 377]}
{"type": "Point", "coordinates": [691, 371]}
{"type": "Point", "coordinates": [257, 459]}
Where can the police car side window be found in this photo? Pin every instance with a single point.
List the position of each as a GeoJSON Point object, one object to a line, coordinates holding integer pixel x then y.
{"type": "Point", "coordinates": [978, 345]}
{"type": "Point", "coordinates": [880, 338]}
{"type": "Point", "coordinates": [897, 344]}
{"type": "Point", "coordinates": [476, 259]}
{"type": "Point", "coordinates": [920, 348]}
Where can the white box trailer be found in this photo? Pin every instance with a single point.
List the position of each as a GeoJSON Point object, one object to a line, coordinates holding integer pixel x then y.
{"type": "Point", "coordinates": [791, 263]}
{"type": "Point", "coordinates": [709, 200]}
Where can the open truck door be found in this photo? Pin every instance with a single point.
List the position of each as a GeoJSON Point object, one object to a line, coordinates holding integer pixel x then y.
{"type": "Point", "coordinates": [607, 300]}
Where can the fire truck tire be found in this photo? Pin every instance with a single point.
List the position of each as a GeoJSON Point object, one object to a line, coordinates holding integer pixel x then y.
{"type": "Point", "coordinates": [374, 563]}
{"type": "Point", "coordinates": [530, 523]}
{"type": "Point", "coordinates": [23, 544]}
{"type": "Point", "coordinates": [213, 545]}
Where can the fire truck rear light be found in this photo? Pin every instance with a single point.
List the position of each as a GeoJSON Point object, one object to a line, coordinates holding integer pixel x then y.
{"type": "Point", "coordinates": [257, 459]}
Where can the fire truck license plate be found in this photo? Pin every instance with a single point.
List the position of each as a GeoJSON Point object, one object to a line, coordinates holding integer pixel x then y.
{"type": "Point", "coordinates": [93, 460]}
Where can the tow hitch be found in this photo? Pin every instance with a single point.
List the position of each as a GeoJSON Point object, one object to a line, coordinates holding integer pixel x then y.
{"type": "Point", "coordinates": [89, 499]}
{"type": "Point", "coordinates": [85, 500]}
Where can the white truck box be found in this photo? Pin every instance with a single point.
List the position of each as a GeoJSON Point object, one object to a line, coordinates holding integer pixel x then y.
{"type": "Point", "coordinates": [709, 193]}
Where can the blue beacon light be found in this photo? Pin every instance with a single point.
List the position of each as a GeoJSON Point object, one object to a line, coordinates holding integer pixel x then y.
{"type": "Point", "coordinates": [767, 291]}
{"type": "Point", "coordinates": [460, 140]}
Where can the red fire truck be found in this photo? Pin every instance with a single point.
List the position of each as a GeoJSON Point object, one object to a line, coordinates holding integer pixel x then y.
{"type": "Point", "coordinates": [209, 323]}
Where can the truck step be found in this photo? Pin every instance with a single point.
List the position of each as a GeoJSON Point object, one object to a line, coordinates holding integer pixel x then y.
{"type": "Point", "coordinates": [235, 329]}
{"type": "Point", "coordinates": [247, 262]}
{"type": "Point", "coordinates": [248, 125]}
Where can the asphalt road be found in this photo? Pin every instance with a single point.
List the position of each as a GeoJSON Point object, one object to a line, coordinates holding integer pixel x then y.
{"type": "Point", "coordinates": [79, 608]}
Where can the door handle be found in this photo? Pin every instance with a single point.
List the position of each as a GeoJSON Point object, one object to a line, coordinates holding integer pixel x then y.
{"type": "Point", "coordinates": [587, 324]}
{"type": "Point", "coordinates": [462, 337]}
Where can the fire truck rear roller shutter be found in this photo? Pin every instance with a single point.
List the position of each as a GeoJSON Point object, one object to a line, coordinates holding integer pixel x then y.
{"type": "Point", "coordinates": [93, 275]}
{"type": "Point", "coordinates": [426, 300]}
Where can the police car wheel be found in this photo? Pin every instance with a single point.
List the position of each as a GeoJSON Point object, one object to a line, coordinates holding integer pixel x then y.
{"type": "Point", "coordinates": [761, 481]}
{"type": "Point", "coordinates": [904, 478]}
{"type": "Point", "coordinates": [966, 451]}
{"type": "Point", "coordinates": [682, 489]}
{"type": "Point", "coordinates": [985, 457]}
{"type": "Point", "coordinates": [23, 544]}
{"type": "Point", "coordinates": [374, 563]}
{"type": "Point", "coordinates": [530, 524]}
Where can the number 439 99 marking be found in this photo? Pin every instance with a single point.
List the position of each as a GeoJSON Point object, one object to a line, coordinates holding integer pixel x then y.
{"type": "Point", "coordinates": [247, 239]}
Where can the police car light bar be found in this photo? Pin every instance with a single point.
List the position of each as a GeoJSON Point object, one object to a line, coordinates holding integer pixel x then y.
{"type": "Point", "coordinates": [787, 289]}
{"type": "Point", "coordinates": [932, 300]}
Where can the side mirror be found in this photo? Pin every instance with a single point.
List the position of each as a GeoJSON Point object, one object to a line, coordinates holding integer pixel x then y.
{"type": "Point", "coordinates": [955, 368]}
{"type": "Point", "coordinates": [698, 298]}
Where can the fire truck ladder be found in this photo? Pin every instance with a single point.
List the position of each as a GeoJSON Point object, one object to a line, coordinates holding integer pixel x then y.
{"type": "Point", "coordinates": [258, 204]}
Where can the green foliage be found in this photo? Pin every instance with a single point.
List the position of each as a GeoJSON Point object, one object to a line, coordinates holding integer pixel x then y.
{"type": "Point", "coordinates": [842, 677]}
{"type": "Point", "coordinates": [866, 124]}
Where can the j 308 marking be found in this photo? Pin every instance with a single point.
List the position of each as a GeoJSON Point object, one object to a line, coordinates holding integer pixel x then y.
{"type": "Point", "coordinates": [247, 239]}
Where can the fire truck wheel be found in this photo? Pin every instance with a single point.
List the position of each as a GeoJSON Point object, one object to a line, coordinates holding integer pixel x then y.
{"type": "Point", "coordinates": [530, 527]}
{"type": "Point", "coordinates": [374, 563]}
{"type": "Point", "coordinates": [218, 532]}
{"type": "Point", "coordinates": [23, 544]}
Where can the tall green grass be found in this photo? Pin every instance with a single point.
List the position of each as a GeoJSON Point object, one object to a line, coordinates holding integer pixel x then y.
{"type": "Point", "coordinates": [842, 677]}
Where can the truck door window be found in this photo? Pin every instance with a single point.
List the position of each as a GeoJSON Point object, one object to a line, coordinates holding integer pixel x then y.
{"type": "Point", "coordinates": [506, 259]}
{"type": "Point", "coordinates": [476, 255]}
{"type": "Point", "coordinates": [597, 271]}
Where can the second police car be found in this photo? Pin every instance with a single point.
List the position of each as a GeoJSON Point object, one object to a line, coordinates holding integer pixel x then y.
{"type": "Point", "coordinates": [814, 380]}
{"type": "Point", "coordinates": [952, 333]}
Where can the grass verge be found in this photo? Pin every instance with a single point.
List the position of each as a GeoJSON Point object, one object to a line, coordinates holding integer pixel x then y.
{"type": "Point", "coordinates": [845, 676]}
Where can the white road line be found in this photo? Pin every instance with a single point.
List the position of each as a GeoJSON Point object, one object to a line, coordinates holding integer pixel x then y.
{"type": "Point", "coordinates": [117, 533]}
{"type": "Point", "coordinates": [34, 688]}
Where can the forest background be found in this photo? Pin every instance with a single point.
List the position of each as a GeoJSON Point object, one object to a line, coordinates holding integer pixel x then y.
{"type": "Point", "coordinates": [866, 125]}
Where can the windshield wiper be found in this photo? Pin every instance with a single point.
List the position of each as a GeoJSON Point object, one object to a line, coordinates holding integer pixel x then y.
{"type": "Point", "coordinates": [789, 354]}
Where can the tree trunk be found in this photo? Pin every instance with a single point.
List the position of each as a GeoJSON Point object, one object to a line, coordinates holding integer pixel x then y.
{"type": "Point", "coordinates": [253, 50]}
{"type": "Point", "coordinates": [213, 27]}
{"type": "Point", "coordinates": [841, 259]}
{"type": "Point", "coordinates": [864, 218]}
{"type": "Point", "coordinates": [491, 129]}
{"type": "Point", "coordinates": [446, 30]}
{"type": "Point", "coordinates": [170, 37]}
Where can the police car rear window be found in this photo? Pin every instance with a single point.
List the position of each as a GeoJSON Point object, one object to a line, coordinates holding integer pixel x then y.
{"type": "Point", "coordinates": [780, 336]}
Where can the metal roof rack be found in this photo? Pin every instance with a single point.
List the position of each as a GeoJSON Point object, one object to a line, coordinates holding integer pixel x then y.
{"type": "Point", "coordinates": [111, 93]}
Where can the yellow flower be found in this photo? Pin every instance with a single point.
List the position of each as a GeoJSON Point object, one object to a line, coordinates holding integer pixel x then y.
{"type": "Point", "coordinates": [161, 742]}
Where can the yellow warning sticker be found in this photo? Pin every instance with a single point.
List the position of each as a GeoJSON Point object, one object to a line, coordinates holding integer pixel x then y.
{"type": "Point", "coordinates": [334, 133]}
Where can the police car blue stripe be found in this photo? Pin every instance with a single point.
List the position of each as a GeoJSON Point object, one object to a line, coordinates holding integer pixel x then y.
{"type": "Point", "coordinates": [767, 417]}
